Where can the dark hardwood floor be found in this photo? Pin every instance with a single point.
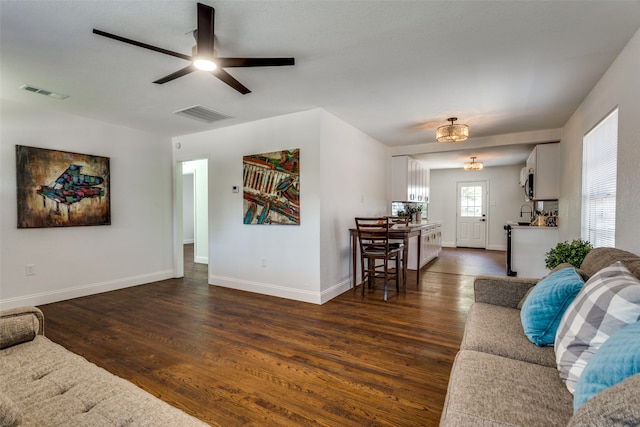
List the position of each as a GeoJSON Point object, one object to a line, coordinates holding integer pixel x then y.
{"type": "Point", "coordinates": [234, 358]}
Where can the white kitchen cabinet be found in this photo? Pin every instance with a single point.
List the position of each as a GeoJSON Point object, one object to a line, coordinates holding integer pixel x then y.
{"type": "Point", "coordinates": [544, 164]}
{"type": "Point", "coordinates": [409, 180]}
{"type": "Point", "coordinates": [430, 245]}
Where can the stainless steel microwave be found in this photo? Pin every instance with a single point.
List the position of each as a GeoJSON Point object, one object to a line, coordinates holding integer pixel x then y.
{"type": "Point", "coordinates": [528, 187]}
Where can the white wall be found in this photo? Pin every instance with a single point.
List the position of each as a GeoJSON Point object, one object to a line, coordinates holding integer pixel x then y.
{"type": "Point", "coordinates": [333, 168]}
{"type": "Point", "coordinates": [75, 261]}
{"type": "Point", "coordinates": [188, 213]}
{"type": "Point", "coordinates": [505, 198]}
{"type": "Point", "coordinates": [356, 181]}
{"type": "Point", "coordinates": [618, 87]}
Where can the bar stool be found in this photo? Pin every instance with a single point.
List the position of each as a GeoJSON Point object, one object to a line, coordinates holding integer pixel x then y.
{"type": "Point", "coordinates": [400, 221]}
{"type": "Point", "coordinates": [375, 246]}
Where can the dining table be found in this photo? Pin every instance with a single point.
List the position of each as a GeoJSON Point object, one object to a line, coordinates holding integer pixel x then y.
{"type": "Point", "coordinates": [399, 232]}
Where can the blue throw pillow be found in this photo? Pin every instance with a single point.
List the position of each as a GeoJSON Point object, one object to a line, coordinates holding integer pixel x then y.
{"type": "Point", "coordinates": [543, 308]}
{"type": "Point", "coordinates": [616, 360]}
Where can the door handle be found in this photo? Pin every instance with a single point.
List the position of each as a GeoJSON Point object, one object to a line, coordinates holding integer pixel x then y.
{"type": "Point", "coordinates": [482, 220]}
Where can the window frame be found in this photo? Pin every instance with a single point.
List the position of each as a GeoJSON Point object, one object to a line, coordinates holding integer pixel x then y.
{"type": "Point", "coordinates": [599, 181]}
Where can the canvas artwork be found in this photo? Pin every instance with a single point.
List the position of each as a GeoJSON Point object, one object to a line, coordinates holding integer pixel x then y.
{"type": "Point", "coordinates": [272, 188]}
{"type": "Point", "coordinates": [61, 189]}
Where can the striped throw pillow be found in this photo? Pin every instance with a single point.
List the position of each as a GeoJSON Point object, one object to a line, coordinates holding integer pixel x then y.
{"type": "Point", "coordinates": [608, 301]}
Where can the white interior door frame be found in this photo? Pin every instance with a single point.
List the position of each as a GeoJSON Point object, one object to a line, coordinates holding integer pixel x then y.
{"type": "Point", "coordinates": [471, 214]}
{"type": "Point", "coordinates": [178, 232]}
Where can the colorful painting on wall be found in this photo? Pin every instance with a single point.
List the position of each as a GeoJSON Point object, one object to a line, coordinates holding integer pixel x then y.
{"type": "Point", "coordinates": [61, 189]}
{"type": "Point", "coordinates": [272, 188]}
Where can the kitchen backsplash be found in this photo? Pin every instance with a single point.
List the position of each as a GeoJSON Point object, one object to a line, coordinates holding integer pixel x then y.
{"type": "Point", "coordinates": [407, 206]}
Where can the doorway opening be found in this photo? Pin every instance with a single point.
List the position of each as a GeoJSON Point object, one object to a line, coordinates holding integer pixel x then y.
{"type": "Point", "coordinates": [191, 250]}
{"type": "Point", "coordinates": [471, 217]}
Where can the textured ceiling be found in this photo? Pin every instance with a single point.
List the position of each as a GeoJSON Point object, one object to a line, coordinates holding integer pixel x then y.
{"type": "Point", "coordinates": [393, 69]}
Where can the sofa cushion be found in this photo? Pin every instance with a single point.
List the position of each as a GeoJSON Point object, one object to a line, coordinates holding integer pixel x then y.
{"type": "Point", "coordinates": [612, 407]}
{"type": "Point", "coordinates": [489, 390]}
{"type": "Point", "coordinates": [497, 330]}
{"type": "Point", "coordinates": [547, 302]}
{"type": "Point", "coordinates": [53, 386]}
{"type": "Point", "coordinates": [10, 415]}
{"type": "Point", "coordinates": [599, 258]}
{"type": "Point", "coordinates": [616, 360]}
{"type": "Point", "coordinates": [500, 290]}
{"type": "Point", "coordinates": [607, 302]}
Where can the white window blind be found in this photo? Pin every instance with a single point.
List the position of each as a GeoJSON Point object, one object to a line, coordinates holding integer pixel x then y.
{"type": "Point", "coordinates": [599, 167]}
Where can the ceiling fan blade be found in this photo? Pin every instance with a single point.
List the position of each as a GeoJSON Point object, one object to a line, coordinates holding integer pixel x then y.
{"type": "Point", "coordinates": [254, 62]}
{"type": "Point", "coordinates": [184, 71]}
{"type": "Point", "coordinates": [139, 44]}
{"type": "Point", "coordinates": [226, 77]}
{"type": "Point", "coordinates": [205, 34]}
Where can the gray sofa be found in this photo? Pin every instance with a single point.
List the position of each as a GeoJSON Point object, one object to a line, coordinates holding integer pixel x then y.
{"type": "Point", "coordinates": [500, 378]}
{"type": "Point", "coordinates": [43, 384]}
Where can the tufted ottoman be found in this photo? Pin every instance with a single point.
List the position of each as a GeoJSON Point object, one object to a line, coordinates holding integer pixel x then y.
{"type": "Point", "coordinates": [43, 384]}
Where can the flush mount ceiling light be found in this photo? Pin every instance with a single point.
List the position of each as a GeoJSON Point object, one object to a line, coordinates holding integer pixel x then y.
{"type": "Point", "coordinates": [452, 132]}
{"type": "Point", "coordinates": [473, 165]}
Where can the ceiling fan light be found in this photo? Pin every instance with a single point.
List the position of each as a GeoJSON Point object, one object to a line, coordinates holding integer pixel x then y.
{"type": "Point", "coordinates": [452, 132]}
{"type": "Point", "coordinates": [204, 64]}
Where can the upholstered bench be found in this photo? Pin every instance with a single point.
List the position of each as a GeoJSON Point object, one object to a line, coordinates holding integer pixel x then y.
{"type": "Point", "coordinates": [43, 384]}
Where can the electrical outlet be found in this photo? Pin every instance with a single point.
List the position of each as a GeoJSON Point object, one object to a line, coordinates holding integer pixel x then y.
{"type": "Point", "coordinates": [30, 269]}
{"type": "Point", "coordinates": [263, 262]}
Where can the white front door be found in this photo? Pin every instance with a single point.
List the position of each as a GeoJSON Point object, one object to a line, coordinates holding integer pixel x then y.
{"type": "Point", "coordinates": [471, 229]}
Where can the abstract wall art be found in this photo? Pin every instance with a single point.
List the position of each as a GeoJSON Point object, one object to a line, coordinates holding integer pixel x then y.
{"type": "Point", "coordinates": [271, 184]}
{"type": "Point", "coordinates": [61, 189]}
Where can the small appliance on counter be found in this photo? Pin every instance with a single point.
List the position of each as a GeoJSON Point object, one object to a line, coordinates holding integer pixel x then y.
{"type": "Point", "coordinates": [546, 214]}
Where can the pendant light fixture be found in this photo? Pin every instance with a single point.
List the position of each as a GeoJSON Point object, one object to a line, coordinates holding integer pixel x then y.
{"type": "Point", "coordinates": [473, 165]}
{"type": "Point", "coordinates": [452, 132]}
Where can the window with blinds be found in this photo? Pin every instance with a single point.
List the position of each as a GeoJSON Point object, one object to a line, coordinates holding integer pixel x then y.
{"type": "Point", "coordinates": [599, 167]}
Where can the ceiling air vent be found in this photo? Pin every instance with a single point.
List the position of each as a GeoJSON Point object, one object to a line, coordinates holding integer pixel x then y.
{"type": "Point", "coordinates": [49, 93]}
{"type": "Point", "coordinates": [202, 113]}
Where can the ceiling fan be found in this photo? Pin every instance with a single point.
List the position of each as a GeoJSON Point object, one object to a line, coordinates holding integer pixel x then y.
{"type": "Point", "coordinates": [204, 56]}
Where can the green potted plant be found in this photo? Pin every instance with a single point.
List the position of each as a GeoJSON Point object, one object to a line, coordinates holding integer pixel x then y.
{"type": "Point", "coordinates": [416, 213]}
{"type": "Point", "coordinates": [572, 253]}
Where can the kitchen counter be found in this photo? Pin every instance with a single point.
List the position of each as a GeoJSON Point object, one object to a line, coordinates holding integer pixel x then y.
{"type": "Point", "coordinates": [423, 242]}
{"type": "Point", "coordinates": [529, 245]}
{"type": "Point", "coordinates": [515, 225]}
{"type": "Point", "coordinates": [424, 224]}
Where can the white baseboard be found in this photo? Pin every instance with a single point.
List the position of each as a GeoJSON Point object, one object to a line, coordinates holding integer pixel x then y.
{"type": "Point", "coordinates": [282, 291]}
{"type": "Point", "coordinates": [83, 290]}
{"type": "Point", "coordinates": [335, 290]}
{"type": "Point", "coordinates": [188, 241]}
{"type": "Point", "coordinates": [497, 247]}
{"type": "Point", "coordinates": [489, 247]}
{"type": "Point", "coordinates": [201, 260]}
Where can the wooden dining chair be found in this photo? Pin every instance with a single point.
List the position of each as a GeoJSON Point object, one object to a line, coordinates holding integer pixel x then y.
{"type": "Point", "coordinates": [377, 253]}
{"type": "Point", "coordinates": [400, 221]}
